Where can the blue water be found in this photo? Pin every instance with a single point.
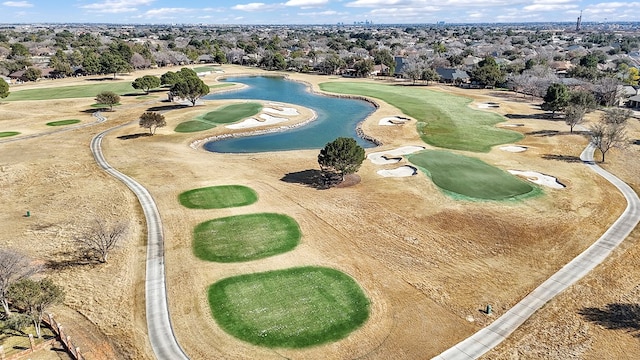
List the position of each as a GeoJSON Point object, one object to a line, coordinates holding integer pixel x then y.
{"type": "Point", "coordinates": [337, 117]}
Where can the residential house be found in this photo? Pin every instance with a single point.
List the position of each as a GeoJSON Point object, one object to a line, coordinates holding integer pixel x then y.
{"type": "Point", "coordinates": [451, 75]}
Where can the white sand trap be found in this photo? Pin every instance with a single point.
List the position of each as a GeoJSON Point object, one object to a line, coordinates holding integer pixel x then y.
{"type": "Point", "coordinates": [488, 105]}
{"type": "Point", "coordinates": [540, 179]}
{"type": "Point", "coordinates": [253, 122]}
{"type": "Point", "coordinates": [511, 125]}
{"type": "Point", "coordinates": [402, 171]}
{"type": "Point", "coordinates": [392, 156]}
{"type": "Point", "coordinates": [286, 111]}
{"type": "Point", "coordinates": [513, 148]}
{"type": "Point", "coordinates": [393, 120]}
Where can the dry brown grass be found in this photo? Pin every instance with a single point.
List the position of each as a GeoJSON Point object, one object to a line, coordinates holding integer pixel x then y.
{"type": "Point", "coordinates": [427, 262]}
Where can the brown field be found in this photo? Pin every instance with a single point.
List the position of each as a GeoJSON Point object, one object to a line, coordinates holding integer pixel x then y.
{"type": "Point", "coordinates": [428, 263]}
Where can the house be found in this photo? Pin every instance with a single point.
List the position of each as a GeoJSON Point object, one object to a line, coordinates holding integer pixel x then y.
{"type": "Point", "coordinates": [400, 63]}
{"type": "Point", "coordinates": [450, 75]}
{"type": "Point", "coordinates": [380, 70]}
{"type": "Point", "coordinates": [634, 102]}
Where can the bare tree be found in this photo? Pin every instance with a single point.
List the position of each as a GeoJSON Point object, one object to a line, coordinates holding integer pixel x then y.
{"type": "Point", "coordinates": [606, 136]}
{"type": "Point", "coordinates": [616, 116]}
{"type": "Point", "coordinates": [14, 267]}
{"type": "Point", "coordinates": [100, 239]}
{"type": "Point", "coordinates": [574, 115]}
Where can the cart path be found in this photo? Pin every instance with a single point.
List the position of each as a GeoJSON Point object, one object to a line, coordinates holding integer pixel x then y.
{"type": "Point", "coordinates": [161, 336]}
{"type": "Point", "coordinates": [489, 337]}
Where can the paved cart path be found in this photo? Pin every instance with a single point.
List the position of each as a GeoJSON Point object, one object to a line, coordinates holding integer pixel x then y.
{"type": "Point", "coordinates": [163, 341]}
{"type": "Point", "coordinates": [486, 339]}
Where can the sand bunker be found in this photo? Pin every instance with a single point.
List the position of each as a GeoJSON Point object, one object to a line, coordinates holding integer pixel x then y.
{"type": "Point", "coordinates": [285, 111]}
{"type": "Point", "coordinates": [402, 171]}
{"type": "Point", "coordinates": [392, 156]}
{"type": "Point", "coordinates": [253, 122]}
{"type": "Point", "coordinates": [513, 148]}
{"type": "Point", "coordinates": [511, 125]}
{"type": "Point", "coordinates": [540, 179]}
{"type": "Point", "coordinates": [488, 105]}
{"type": "Point", "coordinates": [393, 120]}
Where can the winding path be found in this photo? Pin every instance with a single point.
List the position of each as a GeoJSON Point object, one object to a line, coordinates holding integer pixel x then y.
{"type": "Point", "coordinates": [486, 339]}
{"type": "Point", "coordinates": [163, 341]}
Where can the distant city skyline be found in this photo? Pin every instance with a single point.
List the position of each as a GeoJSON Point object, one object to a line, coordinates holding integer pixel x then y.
{"type": "Point", "coordinates": [314, 11]}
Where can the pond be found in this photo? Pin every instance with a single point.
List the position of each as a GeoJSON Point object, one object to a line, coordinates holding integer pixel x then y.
{"type": "Point", "coordinates": [336, 117]}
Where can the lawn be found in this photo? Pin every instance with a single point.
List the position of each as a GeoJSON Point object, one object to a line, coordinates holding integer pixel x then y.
{"type": "Point", "coordinates": [444, 120]}
{"type": "Point", "coordinates": [291, 308]}
{"type": "Point", "coordinates": [470, 177]}
{"type": "Point", "coordinates": [69, 92]}
{"type": "Point", "coordinates": [245, 237]}
{"type": "Point", "coordinates": [63, 122]}
{"type": "Point", "coordinates": [8, 133]}
{"type": "Point", "coordinates": [218, 197]}
{"type": "Point", "coordinates": [205, 69]}
{"type": "Point", "coordinates": [224, 115]}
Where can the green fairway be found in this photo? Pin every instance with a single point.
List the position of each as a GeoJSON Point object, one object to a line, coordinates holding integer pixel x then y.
{"type": "Point", "coordinates": [63, 122]}
{"type": "Point", "coordinates": [444, 120]}
{"type": "Point", "coordinates": [69, 92]}
{"type": "Point", "coordinates": [292, 308]}
{"type": "Point", "coordinates": [8, 133]}
{"type": "Point", "coordinates": [224, 115]}
{"type": "Point", "coordinates": [245, 237]}
{"type": "Point", "coordinates": [205, 69]}
{"type": "Point", "coordinates": [470, 177]}
{"type": "Point", "coordinates": [218, 197]}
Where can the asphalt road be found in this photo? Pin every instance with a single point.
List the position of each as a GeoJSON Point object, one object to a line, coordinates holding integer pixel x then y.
{"type": "Point", "coordinates": [486, 339]}
{"type": "Point", "coordinates": [163, 341]}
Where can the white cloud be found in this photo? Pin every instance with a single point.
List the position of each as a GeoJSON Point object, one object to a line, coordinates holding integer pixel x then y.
{"type": "Point", "coordinates": [427, 3]}
{"type": "Point", "coordinates": [17, 4]}
{"type": "Point", "coordinates": [306, 3]}
{"type": "Point", "coordinates": [548, 7]}
{"type": "Point", "coordinates": [322, 13]}
{"type": "Point", "coordinates": [116, 6]}
{"type": "Point", "coordinates": [256, 7]}
{"type": "Point", "coordinates": [166, 12]}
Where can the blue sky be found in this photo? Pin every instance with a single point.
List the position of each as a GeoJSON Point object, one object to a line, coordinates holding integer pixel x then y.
{"type": "Point", "coordinates": [313, 11]}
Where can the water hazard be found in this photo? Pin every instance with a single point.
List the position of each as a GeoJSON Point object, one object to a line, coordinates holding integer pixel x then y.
{"type": "Point", "coordinates": [336, 117]}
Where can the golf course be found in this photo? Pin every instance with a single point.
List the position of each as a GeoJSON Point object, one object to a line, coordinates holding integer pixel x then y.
{"type": "Point", "coordinates": [261, 264]}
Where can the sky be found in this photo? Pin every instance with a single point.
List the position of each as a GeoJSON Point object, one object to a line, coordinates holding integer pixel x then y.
{"type": "Point", "coordinates": [220, 12]}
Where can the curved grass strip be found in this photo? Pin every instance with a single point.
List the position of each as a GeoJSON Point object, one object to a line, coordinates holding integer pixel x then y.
{"type": "Point", "coordinates": [291, 308]}
{"type": "Point", "coordinates": [8, 133]}
{"type": "Point", "coordinates": [470, 177]}
{"type": "Point", "coordinates": [224, 115]}
{"type": "Point", "coordinates": [444, 120]}
{"type": "Point", "coordinates": [63, 122]}
{"type": "Point", "coordinates": [245, 237]}
{"type": "Point", "coordinates": [68, 92]}
{"type": "Point", "coordinates": [104, 106]}
{"type": "Point", "coordinates": [218, 197]}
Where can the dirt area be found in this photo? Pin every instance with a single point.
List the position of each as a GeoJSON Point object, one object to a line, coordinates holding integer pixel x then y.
{"type": "Point", "coordinates": [428, 263]}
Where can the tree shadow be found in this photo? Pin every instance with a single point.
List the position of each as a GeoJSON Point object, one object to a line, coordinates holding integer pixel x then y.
{"type": "Point", "coordinates": [68, 259]}
{"type": "Point", "coordinates": [538, 116]}
{"type": "Point", "coordinates": [516, 97]}
{"type": "Point", "coordinates": [544, 133]}
{"type": "Point", "coordinates": [561, 157]}
{"type": "Point", "coordinates": [636, 142]}
{"type": "Point", "coordinates": [134, 136]}
{"type": "Point", "coordinates": [167, 107]}
{"type": "Point", "coordinates": [93, 110]}
{"type": "Point", "coordinates": [615, 316]}
{"type": "Point", "coordinates": [311, 178]}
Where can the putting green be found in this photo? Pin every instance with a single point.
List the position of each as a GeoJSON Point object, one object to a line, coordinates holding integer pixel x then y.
{"type": "Point", "coordinates": [470, 177]}
{"type": "Point", "coordinates": [218, 197]}
{"type": "Point", "coordinates": [225, 115]}
{"type": "Point", "coordinates": [8, 133]}
{"type": "Point", "coordinates": [67, 92]}
{"type": "Point", "coordinates": [444, 120]}
{"type": "Point", "coordinates": [245, 237]}
{"type": "Point", "coordinates": [291, 308]}
{"type": "Point", "coordinates": [63, 122]}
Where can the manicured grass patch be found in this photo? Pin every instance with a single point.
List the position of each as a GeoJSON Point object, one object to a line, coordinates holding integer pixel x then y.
{"type": "Point", "coordinates": [63, 122]}
{"type": "Point", "coordinates": [292, 308]}
{"type": "Point", "coordinates": [8, 133]}
{"type": "Point", "coordinates": [219, 86]}
{"type": "Point", "coordinates": [469, 177]}
{"type": "Point", "coordinates": [68, 92]}
{"type": "Point", "coordinates": [224, 115]}
{"type": "Point", "coordinates": [444, 120]}
{"type": "Point", "coordinates": [245, 237]}
{"type": "Point", "coordinates": [205, 69]}
{"type": "Point", "coordinates": [218, 197]}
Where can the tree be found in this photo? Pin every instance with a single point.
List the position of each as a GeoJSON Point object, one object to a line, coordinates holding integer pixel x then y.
{"type": "Point", "coordinates": [363, 67]}
{"type": "Point", "coordinates": [146, 83]}
{"type": "Point", "coordinates": [169, 78]}
{"type": "Point", "coordinates": [152, 121]}
{"type": "Point", "coordinates": [13, 268]}
{"type": "Point", "coordinates": [189, 86]}
{"type": "Point", "coordinates": [574, 115]}
{"type": "Point", "coordinates": [113, 63]}
{"type": "Point", "coordinates": [100, 238]}
{"type": "Point", "coordinates": [608, 135]}
{"type": "Point", "coordinates": [616, 116]}
{"type": "Point", "coordinates": [34, 297]}
{"type": "Point", "coordinates": [4, 89]}
{"type": "Point", "coordinates": [429, 74]}
{"type": "Point", "coordinates": [341, 157]}
{"type": "Point", "coordinates": [108, 98]}
{"type": "Point", "coordinates": [488, 72]}
{"type": "Point", "coordinates": [32, 74]}
{"type": "Point", "coordinates": [584, 99]}
{"type": "Point", "coordinates": [556, 98]}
